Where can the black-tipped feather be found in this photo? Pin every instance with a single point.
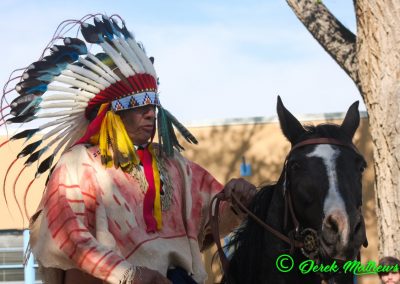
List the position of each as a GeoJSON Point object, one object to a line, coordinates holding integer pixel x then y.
{"type": "Point", "coordinates": [25, 111]}
{"type": "Point", "coordinates": [21, 119]}
{"type": "Point", "coordinates": [125, 31]}
{"type": "Point", "coordinates": [28, 133]}
{"type": "Point", "coordinates": [31, 86]}
{"type": "Point", "coordinates": [22, 100]}
{"type": "Point", "coordinates": [66, 54]}
{"type": "Point", "coordinates": [25, 107]}
{"type": "Point", "coordinates": [90, 33]}
{"type": "Point", "coordinates": [115, 26]}
{"type": "Point", "coordinates": [45, 165]}
{"type": "Point", "coordinates": [28, 84]}
{"type": "Point", "coordinates": [74, 41]}
{"type": "Point", "coordinates": [182, 129]}
{"type": "Point", "coordinates": [48, 176]}
{"type": "Point", "coordinates": [35, 156]}
{"type": "Point", "coordinates": [29, 149]}
{"type": "Point", "coordinates": [109, 25]}
{"type": "Point", "coordinates": [102, 29]}
{"type": "Point", "coordinates": [40, 65]}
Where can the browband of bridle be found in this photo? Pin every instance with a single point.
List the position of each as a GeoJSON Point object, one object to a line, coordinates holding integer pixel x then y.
{"type": "Point", "coordinates": [315, 141]}
{"type": "Point", "coordinates": [214, 210]}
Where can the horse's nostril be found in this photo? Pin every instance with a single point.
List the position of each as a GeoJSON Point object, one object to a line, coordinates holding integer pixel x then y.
{"type": "Point", "coordinates": [332, 224]}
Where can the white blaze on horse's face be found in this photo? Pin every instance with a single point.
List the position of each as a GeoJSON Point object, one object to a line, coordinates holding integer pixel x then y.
{"type": "Point", "coordinates": [334, 207]}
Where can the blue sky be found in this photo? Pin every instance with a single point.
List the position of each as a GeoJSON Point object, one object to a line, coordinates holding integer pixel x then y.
{"type": "Point", "coordinates": [215, 59]}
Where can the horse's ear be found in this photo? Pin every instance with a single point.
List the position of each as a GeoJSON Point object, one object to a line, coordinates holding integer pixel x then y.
{"type": "Point", "coordinates": [290, 126]}
{"type": "Point", "coordinates": [351, 121]}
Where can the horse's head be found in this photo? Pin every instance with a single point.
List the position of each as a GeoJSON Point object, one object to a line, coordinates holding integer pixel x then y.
{"type": "Point", "coordinates": [324, 181]}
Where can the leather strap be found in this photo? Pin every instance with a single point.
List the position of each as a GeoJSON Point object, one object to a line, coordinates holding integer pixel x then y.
{"type": "Point", "coordinates": [214, 219]}
{"type": "Point", "coordinates": [317, 141]}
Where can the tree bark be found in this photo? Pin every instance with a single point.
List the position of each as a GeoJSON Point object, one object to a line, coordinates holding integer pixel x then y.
{"type": "Point", "coordinates": [374, 65]}
{"type": "Point", "coordinates": [378, 42]}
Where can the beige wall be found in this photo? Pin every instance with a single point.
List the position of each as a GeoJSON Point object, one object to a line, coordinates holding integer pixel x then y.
{"type": "Point", "coordinates": [220, 151]}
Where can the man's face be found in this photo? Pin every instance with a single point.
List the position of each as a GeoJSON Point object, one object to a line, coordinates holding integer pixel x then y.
{"type": "Point", "coordinates": [139, 123]}
{"type": "Point", "coordinates": [391, 278]}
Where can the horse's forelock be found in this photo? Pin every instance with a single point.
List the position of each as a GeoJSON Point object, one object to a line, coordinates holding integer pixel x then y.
{"type": "Point", "coordinates": [324, 130]}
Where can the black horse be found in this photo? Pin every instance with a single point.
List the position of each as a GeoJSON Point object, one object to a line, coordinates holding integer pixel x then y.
{"type": "Point", "coordinates": [317, 199]}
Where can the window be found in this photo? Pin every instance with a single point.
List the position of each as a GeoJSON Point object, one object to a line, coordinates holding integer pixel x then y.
{"type": "Point", "coordinates": [12, 258]}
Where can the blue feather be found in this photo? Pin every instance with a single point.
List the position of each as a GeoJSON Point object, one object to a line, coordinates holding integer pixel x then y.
{"type": "Point", "coordinates": [102, 29]}
{"type": "Point", "coordinates": [39, 89]}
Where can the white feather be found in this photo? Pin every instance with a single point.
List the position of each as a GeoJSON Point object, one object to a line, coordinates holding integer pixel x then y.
{"type": "Point", "coordinates": [89, 74]}
{"type": "Point", "coordinates": [64, 105]}
{"type": "Point", "coordinates": [66, 97]}
{"type": "Point", "coordinates": [109, 76]}
{"type": "Point", "coordinates": [103, 68]}
{"type": "Point", "coordinates": [58, 121]}
{"type": "Point", "coordinates": [127, 54]}
{"type": "Point", "coordinates": [89, 81]}
{"type": "Point", "coordinates": [77, 84]}
{"type": "Point", "coordinates": [135, 59]}
{"type": "Point", "coordinates": [125, 69]}
{"type": "Point", "coordinates": [60, 113]}
{"type": "Point", "coordinates": [83, 93]}
{"type": "Point", "coordinates": [142, 56]}
{"type": "Point", "coordinates": [57, 129]}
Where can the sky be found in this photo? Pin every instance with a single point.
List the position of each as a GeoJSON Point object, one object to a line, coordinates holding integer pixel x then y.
{"type": "Point", "coordinates": [215, 60]}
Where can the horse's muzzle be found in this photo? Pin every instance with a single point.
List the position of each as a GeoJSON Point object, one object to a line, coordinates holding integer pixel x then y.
{"type": "Point", "coordinates": [340, 238]}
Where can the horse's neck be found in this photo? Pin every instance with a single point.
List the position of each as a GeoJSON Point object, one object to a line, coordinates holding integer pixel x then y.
{"type": "Point", "coordinates": [276, 219]}
{"type": "Point", "coordinates": [276, 210]}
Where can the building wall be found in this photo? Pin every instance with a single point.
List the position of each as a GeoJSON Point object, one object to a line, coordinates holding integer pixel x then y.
{"type": "Point", "coordinates": [220, 150]}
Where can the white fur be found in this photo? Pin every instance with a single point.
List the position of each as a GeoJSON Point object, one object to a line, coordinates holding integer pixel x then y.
{"type": "Point", "coordinates": [333, 201]}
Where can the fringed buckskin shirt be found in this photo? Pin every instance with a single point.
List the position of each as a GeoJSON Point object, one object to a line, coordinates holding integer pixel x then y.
{"type": "Point", "coordinates": [91, 218]}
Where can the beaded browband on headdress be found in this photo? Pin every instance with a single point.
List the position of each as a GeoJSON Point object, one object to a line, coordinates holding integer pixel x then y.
{"type": "Point", "coordinates": [85, 90]}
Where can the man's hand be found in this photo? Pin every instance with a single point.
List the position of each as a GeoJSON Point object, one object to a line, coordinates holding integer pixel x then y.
{"type": "Point", "coordinates": [242, 189]}
{"type": "Point", "coordinates": [145, 275]}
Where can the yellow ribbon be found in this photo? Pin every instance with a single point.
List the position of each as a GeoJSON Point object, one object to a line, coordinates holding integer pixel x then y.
{"type": "Point", "coordinates": [113, 135]}
{"type": "Point", "coordinates": [157, 183]}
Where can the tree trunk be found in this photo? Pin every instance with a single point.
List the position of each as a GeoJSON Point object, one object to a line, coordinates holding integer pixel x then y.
{"type": "Point", "coordinates": [378, 52]}
{"type": "Point", "coordinates": [374, 66]}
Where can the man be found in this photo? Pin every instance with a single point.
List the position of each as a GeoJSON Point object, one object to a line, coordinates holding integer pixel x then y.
{"type": "Point", "coordinates": [392, 277]}
{"type": "Point", "coordinates": [117, 208]}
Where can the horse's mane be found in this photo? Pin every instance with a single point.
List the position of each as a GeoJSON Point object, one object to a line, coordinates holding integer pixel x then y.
{"type": "Point", "coordinates": [249, 234]}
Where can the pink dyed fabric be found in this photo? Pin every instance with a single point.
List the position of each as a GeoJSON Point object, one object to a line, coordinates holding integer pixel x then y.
{"type": "Point", "coordinates": [91, 218]}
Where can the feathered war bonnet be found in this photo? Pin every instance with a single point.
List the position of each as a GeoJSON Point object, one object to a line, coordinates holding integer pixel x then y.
{"type": "Point", "coordinates": [70, 84]}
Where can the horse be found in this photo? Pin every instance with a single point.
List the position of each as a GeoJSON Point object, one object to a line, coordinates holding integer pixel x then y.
{"type": "Point", "coordinates": [313, 212]}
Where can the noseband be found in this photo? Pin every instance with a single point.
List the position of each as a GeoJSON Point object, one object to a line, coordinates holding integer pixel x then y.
{"type": "Point", "coordinates": [306, 240]}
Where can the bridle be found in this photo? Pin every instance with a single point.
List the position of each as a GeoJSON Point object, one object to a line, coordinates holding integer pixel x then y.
{"type": "Point", "coordinates": [306, 240]}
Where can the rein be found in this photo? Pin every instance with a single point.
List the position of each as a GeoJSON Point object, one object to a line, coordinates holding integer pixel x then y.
{"type": "Point", "coordinates": [309, 244]}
